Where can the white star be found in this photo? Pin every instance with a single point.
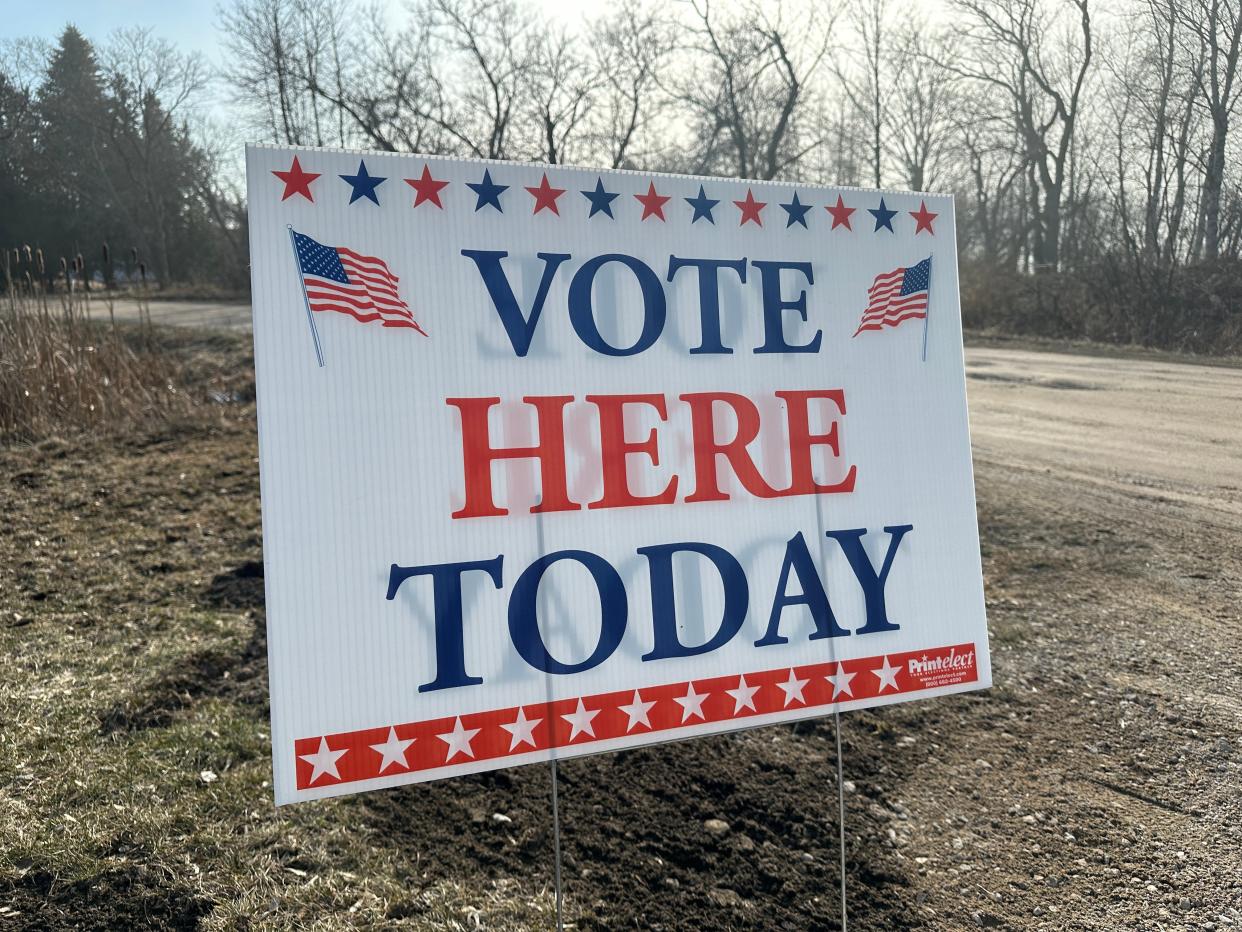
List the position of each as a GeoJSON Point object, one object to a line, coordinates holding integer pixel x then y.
{"type": "Point", "coordinates": [522, 730]}
{"type": "Point", "coordinates": [743, 696]}
{"type": "Point", "coordinates": [691, 704]}
{"type": "Point", "coordinates": [793, 688]}
{"type": "Point", "coordinates": [840, 681]}
{"type": "Point", "coordinates": [580, 721]}
{"type": "Point", "coordinates": [458, 740]}
{"type": "Point", "coordinates": [393, 751]}
{"type": "Point", "coordinates": [323, 761]}
{"type": "Point", "coordinates": [887, 675]}
{"type": "Point", "coordinates": [637, 711]}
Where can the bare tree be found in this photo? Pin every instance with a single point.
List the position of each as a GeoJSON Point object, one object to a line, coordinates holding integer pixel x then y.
{"type": "Point", "coordinates": [494, 45]}
{"type": "Point", "coordinates": [751, 85]}
{"type": "Point", "coordinates": [920, 116]}
{"type": "Point", "coordinates": [559, 87]}
{"type": "Point", "coordinates": [1040, 60]}
{"type": "Point", "coordinates": [867, 74]}
{"type": "Point", "coordinates": [1155, 123]}
{"type": "Point", "coordinates": [1216, 30]}
{"type": "Point", "coordinates": [152, 88]}
{"type": "Point", "coordinates": [631, 46]}
{"type": "Point", "coordinates": [994, 164]}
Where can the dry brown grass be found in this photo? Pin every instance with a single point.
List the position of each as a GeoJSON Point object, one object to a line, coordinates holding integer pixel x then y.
{"type": "Point", "coordinates": [64, 370]}
{"type": "Point", "coordinates": [134, 753]}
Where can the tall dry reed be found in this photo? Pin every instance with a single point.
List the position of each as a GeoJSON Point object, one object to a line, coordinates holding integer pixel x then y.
{"type": "Point", "coordinates": [60, 371]}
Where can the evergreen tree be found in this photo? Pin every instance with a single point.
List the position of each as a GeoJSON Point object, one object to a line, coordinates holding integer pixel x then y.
{"type": "Point", "coordinates": [70, 154]}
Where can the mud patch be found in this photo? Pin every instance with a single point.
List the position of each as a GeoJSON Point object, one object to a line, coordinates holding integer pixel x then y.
{"type": "Point", "coordinates": [640, 849]}
{"type": "Point", "coordinates": [136, 896]}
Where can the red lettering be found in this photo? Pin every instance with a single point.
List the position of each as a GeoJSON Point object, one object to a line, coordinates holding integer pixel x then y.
{"type": "Point", "coordinates": [707, 447]}
{"type": "Point", "coordinates": [614, 449]}
{"type": "Point", "coordinates": [802, 478]}
{"type": "Point", "coordinates": [478, 454]}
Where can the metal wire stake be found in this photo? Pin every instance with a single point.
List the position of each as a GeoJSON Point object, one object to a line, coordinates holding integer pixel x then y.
{"type": "Point", "coordinates": [819, 521]}
{"type": "Point", "coordinates": [556, 809]}
{"type": "Point", "coordinates": [840, 820]}
{"type": "Point", "coordinates": [556, 835]}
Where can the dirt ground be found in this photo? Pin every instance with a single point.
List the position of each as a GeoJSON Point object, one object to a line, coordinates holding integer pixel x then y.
{"type": "Point", "coordinates": [1098, 785]}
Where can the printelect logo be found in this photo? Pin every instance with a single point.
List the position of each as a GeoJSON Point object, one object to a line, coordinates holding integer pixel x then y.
{"type": "Point", "coordinates": [952, 661]}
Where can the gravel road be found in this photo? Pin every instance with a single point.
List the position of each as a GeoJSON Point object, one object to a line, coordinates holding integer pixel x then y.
{"type": "Point", "coordinates": [1099, 784]}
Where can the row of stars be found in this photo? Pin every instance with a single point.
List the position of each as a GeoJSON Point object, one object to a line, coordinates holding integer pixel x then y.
{"type": "Point", "coordinates": [458, 742]}
{"type": "Point", "coordinates": [364, 186]}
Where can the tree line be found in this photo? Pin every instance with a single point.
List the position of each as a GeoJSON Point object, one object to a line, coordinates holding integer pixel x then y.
{"type": "Point", "coordinates": [1068, 131]}
{"type": "Point", "coordinates": [1092, 146]}
{"type": "Point", "coordinates": [102, 167]}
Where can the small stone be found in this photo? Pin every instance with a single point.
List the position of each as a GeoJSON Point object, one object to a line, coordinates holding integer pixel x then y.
{"type": "Point", "coordinates": [723, 896]}
{"type": "Point", "coordinates": [208, 776]}
{"type": "Point", "coordinates": [849, 786]}
{"type": "Point", "coordinates": [716, 827]}
{"type": "Point", "coordinates": [500, 817]}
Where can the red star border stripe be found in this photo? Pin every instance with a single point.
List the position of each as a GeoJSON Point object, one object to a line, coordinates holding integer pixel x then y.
{"type": "Point", "coordinates": [750, 209]}
{"type": "Point", "coordinates": [297, 181]}
{"type": "Point", "coordinates": [840, 214]}
{"type": "Point", "coordinates": [427, 189]}
{"type": "Point", "coordinates": [545, 196]}
{"type": "Point", "coordinates": [427, 746]}
{"type": "Point", "coordinates": [653, 202]}
{"type": "Point", "coordinates": [923, 219]}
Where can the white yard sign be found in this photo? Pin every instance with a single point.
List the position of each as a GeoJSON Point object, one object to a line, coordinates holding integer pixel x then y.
{"type": "Point", "coordinates": [558, 461]}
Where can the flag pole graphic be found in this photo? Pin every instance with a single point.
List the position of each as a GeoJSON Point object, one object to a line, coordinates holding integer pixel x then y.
{"type": "Point", "coordinates": [310, 317]}
{"type": "Point", "coordinates": [927, 312]}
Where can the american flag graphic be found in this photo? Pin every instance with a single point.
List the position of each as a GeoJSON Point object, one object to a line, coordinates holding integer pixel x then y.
{"type": "Point", "coordinates": [339, 279]}
{"type": "Point", "coordinates": [897, 296]}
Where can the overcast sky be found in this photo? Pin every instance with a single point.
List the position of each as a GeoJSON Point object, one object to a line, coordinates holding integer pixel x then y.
{"type": "Point", "coordinates": [191, 24]}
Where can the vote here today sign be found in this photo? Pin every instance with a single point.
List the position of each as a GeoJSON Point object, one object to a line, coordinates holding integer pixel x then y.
{"type": "Point", "coordinates": [558, 461]}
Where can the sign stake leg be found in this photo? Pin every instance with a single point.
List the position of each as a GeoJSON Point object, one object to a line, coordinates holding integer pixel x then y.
{"type": "Point", "coordinates": [840, 819]}
{"type": "Point", "coordinates": [541, 547]}
{"type": "Point", "coordinates": [556, 835]}
{"type": "Point", "coordinates": [819, 521]}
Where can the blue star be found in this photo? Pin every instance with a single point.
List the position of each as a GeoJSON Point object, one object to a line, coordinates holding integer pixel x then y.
{"type": "Point", "coordinates": [883, 217]}
{"type": "Point", "coordinates": [797, 212]}
{"type": "Point", "coordinates": [702, 207]}
{"type": "Point", "coordinates": [363, 185]}
{"type": "Point", "coordinates": [488, 192]}
{"type": "Point", "coordinates": [601, 200]}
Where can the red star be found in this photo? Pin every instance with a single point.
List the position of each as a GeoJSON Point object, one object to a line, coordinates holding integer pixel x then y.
{"type": "Point", "coordinates": [653, 203]}
{"type": "Point", "coordinates": [427, 188]}
{"type": "Point", "coordinates": [750, 209]}
{"type": "Point", "coordinates": [545, 196]}
{"type": "Point", "coordinates": [923, 219]}
{"type": "Point", "coordinates": [297, 181]}
{"type": "Point", "coordinates": [840, 213]}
